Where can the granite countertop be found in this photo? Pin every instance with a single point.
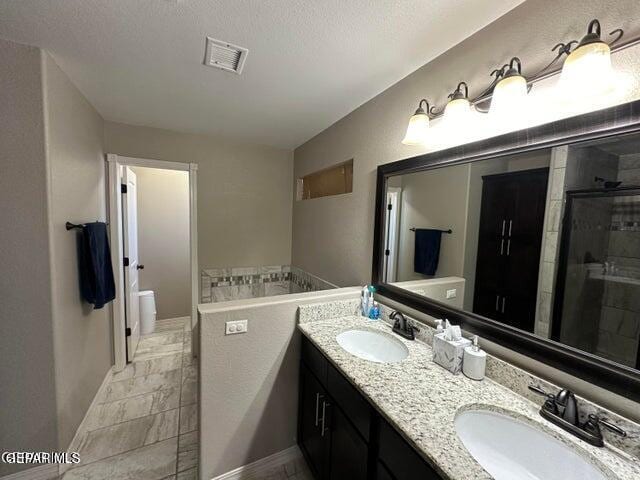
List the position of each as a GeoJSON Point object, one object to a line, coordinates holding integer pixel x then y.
{"type": "Point", "coordinates": [421, 399]}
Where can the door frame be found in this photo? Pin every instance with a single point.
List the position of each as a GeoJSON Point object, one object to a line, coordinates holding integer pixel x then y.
{"type": "Point", "coordinates": [114, 162]}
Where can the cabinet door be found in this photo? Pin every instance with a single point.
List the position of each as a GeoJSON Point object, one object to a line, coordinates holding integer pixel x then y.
{"type": "Point", "coordinates": [349, 451]}
{"type": "Point", "coordinates": [311, 438]}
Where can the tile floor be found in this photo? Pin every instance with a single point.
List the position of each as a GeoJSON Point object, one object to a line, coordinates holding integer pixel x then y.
{"type": "Point", "coordinates": [144, 426]}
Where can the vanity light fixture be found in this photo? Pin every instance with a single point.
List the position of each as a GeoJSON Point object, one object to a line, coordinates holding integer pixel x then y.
{"type": "Point", "coordinates": [418, 125]}
{"type": "Point", "coordinates": [458, 108]}
{"type": "Point", "coordinates": [587, 70]}
{"type": "Point", "coordinates": [587, 74]}
{"type": "Point", "coordinates": [510, 93]}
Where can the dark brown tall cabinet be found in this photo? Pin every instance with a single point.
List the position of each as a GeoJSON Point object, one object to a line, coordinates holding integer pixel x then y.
{"type": "Point", "coordinates": [509, 242]}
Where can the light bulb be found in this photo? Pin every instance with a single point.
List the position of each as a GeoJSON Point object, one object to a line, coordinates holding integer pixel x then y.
{"type": "Point", "coordinates": [418, 126]}
{"type": "Point", "coordinates": [510, 95]}
{"type": "Point", "coordinates": [587, 70]}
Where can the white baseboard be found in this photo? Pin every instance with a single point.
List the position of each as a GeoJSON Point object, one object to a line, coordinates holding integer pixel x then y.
{"type": "Point", "coordinates": [41, 472]}
{"type": "Point", "coordinates": [263, 465]}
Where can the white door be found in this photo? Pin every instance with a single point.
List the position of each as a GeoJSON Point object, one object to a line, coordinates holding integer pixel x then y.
{"type": "Point", "coordinates": [130, 240]}
{"type": "Point", "coordinates": [391, 234]}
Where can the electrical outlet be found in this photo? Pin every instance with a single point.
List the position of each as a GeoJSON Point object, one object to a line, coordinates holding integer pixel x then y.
{"type": "Point", "coordinates": [453, 293]}
{"type": "Point", "coordinates": [236, 326]}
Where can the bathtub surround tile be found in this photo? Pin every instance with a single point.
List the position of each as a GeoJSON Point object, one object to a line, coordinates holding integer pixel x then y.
{"type": "Point", "coordinates": [106, 442]}
{"type": "Point", "coordinates": [236, 283]}
{"type": "Point", "coordinates": [152, 462]}
{"type": "Point", "coordinates": [141, 385]}
{"type": "Point", "coordinates": [188, 418]}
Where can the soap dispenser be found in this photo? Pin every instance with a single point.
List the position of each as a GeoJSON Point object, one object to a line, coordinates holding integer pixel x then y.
{"type": "Point", "coordinates": [474, 362]}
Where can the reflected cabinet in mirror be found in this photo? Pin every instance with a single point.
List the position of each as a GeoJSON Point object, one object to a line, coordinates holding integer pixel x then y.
{"type": "Point", "coordinates": [534, 246]}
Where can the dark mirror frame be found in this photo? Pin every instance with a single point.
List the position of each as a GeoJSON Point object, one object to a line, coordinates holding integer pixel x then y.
{"type": "Point", "coordinates": [601, 124]}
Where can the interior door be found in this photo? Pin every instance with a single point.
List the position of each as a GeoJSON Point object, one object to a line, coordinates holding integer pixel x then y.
{"type": "Point", "coordinates": [130, 243]}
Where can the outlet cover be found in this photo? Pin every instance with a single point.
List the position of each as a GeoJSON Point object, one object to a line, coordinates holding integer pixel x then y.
{"type": "Point", "coordinates": [453, 293]}
{"type": "Point", "coordinates": [236, 326]}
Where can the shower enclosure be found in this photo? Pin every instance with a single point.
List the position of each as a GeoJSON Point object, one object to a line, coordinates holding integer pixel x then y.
{"type": "Point", "coordinates": [597, 302]}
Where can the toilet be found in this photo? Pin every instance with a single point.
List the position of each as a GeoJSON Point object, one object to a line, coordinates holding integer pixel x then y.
{"type": "Point", "coordinates": [147, 312]}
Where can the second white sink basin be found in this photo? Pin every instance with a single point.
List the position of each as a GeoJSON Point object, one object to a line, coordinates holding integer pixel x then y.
{"type": "Point", "coordinates": [510, 449]}
{"type": "Point", "coordinates": [372, 346]}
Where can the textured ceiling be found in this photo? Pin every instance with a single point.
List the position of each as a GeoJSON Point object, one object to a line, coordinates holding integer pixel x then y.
{"type": "Point", "coordinates": [310, 61]}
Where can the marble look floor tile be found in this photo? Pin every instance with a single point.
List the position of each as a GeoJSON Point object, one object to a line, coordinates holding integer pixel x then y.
{"type": "Point", "coordinates": [106, 414]}
{"type": "Point", "coordinates": [141, 385]}
{"type": "Point", "coordinates": [188, 418]}
{"type": "Point", "coordinates": [187, 359]}
{"type": "Point", "coordinates": [106, 442]}
{"type": "Point", "coordinates": [189, 373]}
{"type": "Point", "coordinates": [145, 367]}
{"type": "Point", "coordinates": [152, 462]}
{"type": "Point", "coordinates": [188, 451]}
{"type": "Point", "coordinates": [157, 339]}
{"type": "Point", "coordinates": [189, 393]}
{"type": "Point", "coordinates": [191, 474]}
{"type": "Point", "coordinates": [155, 351]}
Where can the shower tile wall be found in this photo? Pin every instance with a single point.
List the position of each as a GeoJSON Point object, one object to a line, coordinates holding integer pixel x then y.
{"type": "Point", "coordinates": [239, 283]}
{"type": "Point", "coordinates": [620, 320]}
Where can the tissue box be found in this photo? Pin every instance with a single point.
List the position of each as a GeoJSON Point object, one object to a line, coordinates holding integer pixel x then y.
{"type": "Point", "coordinates": [449, 353]}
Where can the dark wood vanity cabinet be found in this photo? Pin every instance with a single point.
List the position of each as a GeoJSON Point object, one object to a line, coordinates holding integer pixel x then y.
{"type": "Point", "coordinates": [509, 242]}
{"type": "Point", "coordinates": [341, 435]}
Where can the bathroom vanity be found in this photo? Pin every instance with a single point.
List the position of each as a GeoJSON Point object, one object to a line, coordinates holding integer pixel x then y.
{"type": "Point", "coordinates": [342, 435]}
{"type": "Point", "coordinates": [409, 418]}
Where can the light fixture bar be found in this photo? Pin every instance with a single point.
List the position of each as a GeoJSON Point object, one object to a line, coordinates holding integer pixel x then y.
{"type": "Point", "coordinates": [551, 70]}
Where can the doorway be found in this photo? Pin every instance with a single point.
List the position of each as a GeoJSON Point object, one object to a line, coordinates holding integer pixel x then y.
{"type": "Point", "coordinates": [136, 234]}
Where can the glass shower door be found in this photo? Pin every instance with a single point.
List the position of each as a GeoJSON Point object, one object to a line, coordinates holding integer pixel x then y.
{"type": "Point", "coordinates": [597, 304]}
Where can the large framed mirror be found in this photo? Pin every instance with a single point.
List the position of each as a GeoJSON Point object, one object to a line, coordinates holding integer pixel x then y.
{"type": "Point", "coordinates": [530, 239]}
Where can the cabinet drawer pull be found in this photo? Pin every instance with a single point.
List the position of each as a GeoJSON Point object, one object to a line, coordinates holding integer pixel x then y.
{"type": "Point", "coordinates": [508, 247]}
{"type": "Point", "coordinates": [497, 300]}
{"type": "Point", "coordinates": [324, 416]}
{"type": "Point", "coordinates": [504, 299]}
{"type": "Point", "coordinates": [503, 224]}
{"type": "Point", "coordinates": [510, 225]}
{"type": "Point", "coordinates": [318, 396]}
{"type": "Point", "coordinates": [501, 246]}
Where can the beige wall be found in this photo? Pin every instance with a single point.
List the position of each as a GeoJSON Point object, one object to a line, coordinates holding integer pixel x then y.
{"type": "Point", "coordinates": [371, 134]}
{"type": "Point", "coordinates": [245, 192]}
{"type": "Point", "coordinates": [163, 239]}
{"type": "Point", "coordinates": [434, 199]}
{"type": "Point", "coordinates": [249, 392]}
{"type": "Point", "coordinates": [76, 172]}
{"type": "Point", "coordinates": [28, 398]}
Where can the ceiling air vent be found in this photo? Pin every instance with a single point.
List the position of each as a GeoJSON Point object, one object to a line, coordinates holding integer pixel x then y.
{"type": "Point", "coordinates": [224, 55]}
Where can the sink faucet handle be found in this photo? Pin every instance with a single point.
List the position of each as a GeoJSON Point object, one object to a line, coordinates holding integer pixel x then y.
{"type": "Point", "coordinates": [595, 421]}
{"type": "Point", "coordinates": [550, 402]}
{"type": "Point", "coordinates": [538, 390]}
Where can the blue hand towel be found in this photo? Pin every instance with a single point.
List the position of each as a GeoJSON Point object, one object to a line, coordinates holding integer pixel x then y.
{"type": "Point", "coordinates": [427, 251]}
{"type": "Point", "coordinates": [96, 274]}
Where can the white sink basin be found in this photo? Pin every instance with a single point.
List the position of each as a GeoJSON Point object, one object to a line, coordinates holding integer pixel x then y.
{"type": "Point", "coordinates": [372, 346]}
{"type": "Point", "coordinates": [510, 449]}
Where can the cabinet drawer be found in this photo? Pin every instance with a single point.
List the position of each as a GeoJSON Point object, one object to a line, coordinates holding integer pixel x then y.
{"type": "Point", "coordinates": [356, 408]}
{"type": "Point", "coordinates": [314, 360]}
{"type": "Point", "coordinates": [402, 461]}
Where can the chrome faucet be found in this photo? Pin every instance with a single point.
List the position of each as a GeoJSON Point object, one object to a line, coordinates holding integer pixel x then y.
{"type": "Point", "coordinates": [562, 410]}
{"type": "Point", "coordinates": [402, 327]}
